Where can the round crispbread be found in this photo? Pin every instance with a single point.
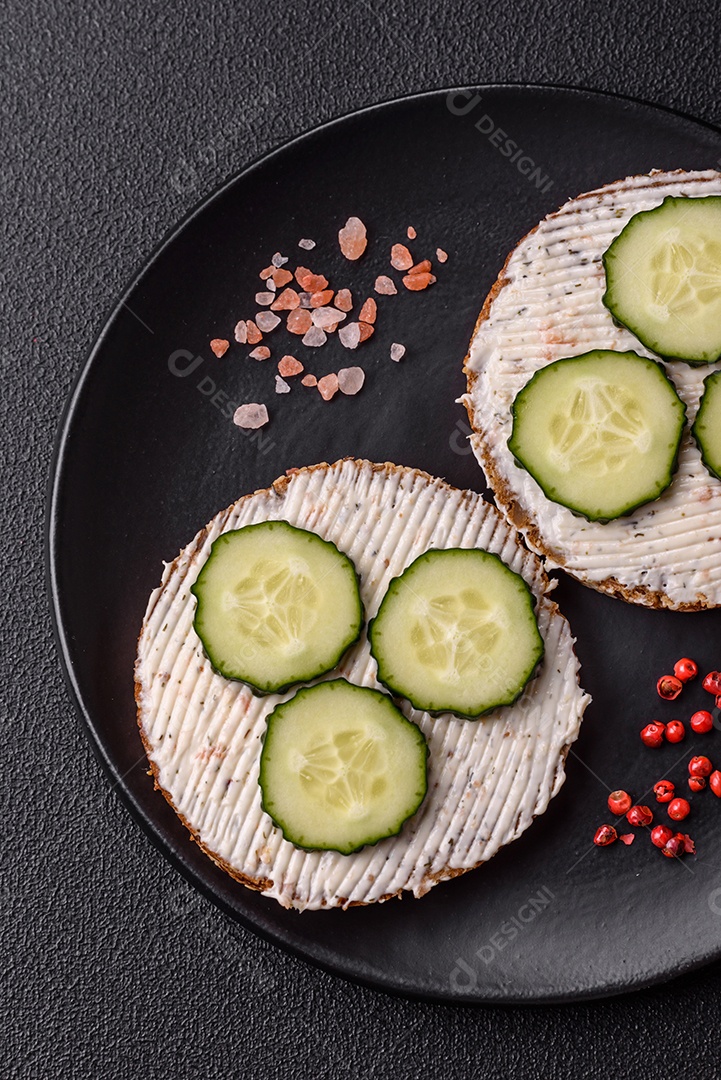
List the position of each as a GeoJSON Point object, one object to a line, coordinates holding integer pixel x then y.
{"type": "Point", "coordinates": [545, 305]}
{"type": "Point", "coordinates": [488, 779]}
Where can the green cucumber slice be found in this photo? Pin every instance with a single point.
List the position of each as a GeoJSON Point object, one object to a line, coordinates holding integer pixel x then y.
{"type": "Point", "coordinates": [707, 426]}
{"type": "Point", "coordinates": [456, 632]}
{"type": "Point", "coordinates": [663, 278]}
{"type": "Point", "coordinates": [276, 605]}
{"type": "Point", "coordinates": [600, 432]}
{"type": "Point", "coordinates": [341, 767]}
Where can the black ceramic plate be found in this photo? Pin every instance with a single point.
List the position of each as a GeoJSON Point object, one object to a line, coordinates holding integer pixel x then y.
{"type": "Point", "coordinates": [147, 455]}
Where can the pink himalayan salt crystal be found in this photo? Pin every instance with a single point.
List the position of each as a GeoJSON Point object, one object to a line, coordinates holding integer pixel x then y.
{"type": "Point", "coordinates": [441, 255]}
{"type": "Point", "coordinates": [281, 386]}
{"type": "Point", "coordinates": [350, 380]}
{"type": "Point", "coordinates": [397, 351]}
{"type": "Point", "coordinates": [366, 330]}
{"type": "Point", "coordinates": [385, 286]}
{"type": "Point", "coordinates": [219, 346]}
{"type": "Point", "coordinates": [327, 318]}
{"type": "Point", "coordinates": [307, 245]}
{"type": "Point", "coordinates": [241, 331]}
{"type": "Point", "coordinates": [286, 301]}
{"type": "Point", "coordinates": [309, 380]}
{"type": "Point", "coordinates": [253, 333]}
{"type": "Point", "coordinates": [401, 258]}
{"type": "Point", "coordinates": [328, 386]}
{"type": "Point", "coordinates": [343, 300]}
{"type": "Point", "coordinates": [411, 233]}
{"type": "Point", "coordinates": [299, 321]}
{"type": "Point", "coordinates": [352, 238]}
{"type": "Point", "coordinates": [280, 278]}
{"type": "Point", "coordinates": [261, 353]}
{"type": "Point", "coordinates": [350, 335]}
{"type": "Point", "coordinates": [315, 337]}
{"type": "Point", "coordinates": [266, 273]}
{"type": "Point", "coordinates": [288, 365]}
{"type": "Point", "coordinates": [265, 299]}
{"type": "Point", "coordinates": [278, 260]}
{"type": "Point", "coordinates": [271, 285]}
{"type": "Point", "coordinates": [251, 415]}
{"type": "Point", "coordinates": [266, 320]}
{"type": "Point", "coordinates": [369, 311]}
{"type": "Point", "coordinates": [415, 282]}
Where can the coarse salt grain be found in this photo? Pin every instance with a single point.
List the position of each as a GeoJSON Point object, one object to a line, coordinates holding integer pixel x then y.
{"type": "Point", "coordinates": [286, 301]}
{"type": "Point", "coordinates": [288, 365]}
{"type": "Point", "coordinates": [219, 346]}
{"type": "Point", "coordinates": [320, 299]}
{"type": "Point", "coordinates": [328, 386]}
{"type": "Point", "coordinates": [401, 258]}
{"type": "Point", "coordinates": [241, 332]}
{"type": "Point", "coordinates": [266, 273]}
{"type": "Point", "coordinates": [327, 317]}
{"type": "Point", "coordinates": [423, 267]}
{"type": "Point", "coordinates": [307, 245]}
{"type": "Point", "coordinates": [385, 286]}
{"type": "Point", "coordinates": [253, 333]}
{"type": "Point", "coordinates": [281, 278]}
{"type": "Point", "coordinates": [343, 300]}
{"type": "Point", "coordinates": [369, 311]}
{"type": "Point", "coordinates": [278, 260]}
{"type": "Point", "coordinates": [309, 380]}
{"type": "Point", "coordinates": [366, 330]}
{"type": "Point", "coordinates": [310, 282]}
{"type": "Point", "coordinates": [265, 299]}
{"type": "Point", "coordinates": [251, 415]}
{"type": "Point", "coordinates": [350, 380]}
{"type": "Point", "coordinates": [411, 233]}
{"type": "Point", "coordinates": [441, 255]}
{"type": "Point", "coordinates": [353, 239]}
{"type": "Point", "coordinates": [261, 353]}
{"type": "Point", "coordinates": [266, 321]}
{"type": "Point", "coordinates": [299, 321]}
{"type": "Point", "coordinates": [350, 335]}
{"type": "Point", "coordinates": [397, 351]}
{"type": "Point", "coordinates": [305, 299]}
{"type": "Point", "coordinates": [271, 285]}
{"type": "Point", "coordinates": [315, 337]}
{"type": "Point", "coordinates": [416, 282]}
{"type": "Point", "coordinates": [281, 386]}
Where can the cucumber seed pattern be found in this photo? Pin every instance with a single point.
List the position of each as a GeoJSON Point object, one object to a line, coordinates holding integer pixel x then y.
{"type": "Point", "coordinates": [345, 773]}
{"type": "Point", "coordinates": [277, 607]}
{"type": "Point", "coordinates": [456, 634]}
{"type": "Point", "coordinates": [598, 432]}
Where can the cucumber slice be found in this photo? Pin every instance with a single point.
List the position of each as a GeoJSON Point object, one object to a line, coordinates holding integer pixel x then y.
{"type": "Point", "coordinates": [276, 605]}
{"type": "Point", "coordinates": [599, 433]}
{"type": "Point", "coordinates": [456, 632]}
{"type": "Point", "coordinates": [663, 278]}
{"type": "Point", "coordinates": [707, 427]}
{"type": "Point", "coordinates": [341, 767]}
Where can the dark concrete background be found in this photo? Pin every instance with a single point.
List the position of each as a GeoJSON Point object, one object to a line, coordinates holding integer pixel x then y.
{"type": "Point", "coordinates": [118, 118]}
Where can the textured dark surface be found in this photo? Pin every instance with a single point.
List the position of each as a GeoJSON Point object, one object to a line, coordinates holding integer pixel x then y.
{"type": "Point", "coordinates": [117, 122]}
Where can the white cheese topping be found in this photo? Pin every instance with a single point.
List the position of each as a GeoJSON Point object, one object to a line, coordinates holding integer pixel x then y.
{"type": "Point", "coordinates": [551, 308]}
{"type": "Point", "coordinates": [487, 778]}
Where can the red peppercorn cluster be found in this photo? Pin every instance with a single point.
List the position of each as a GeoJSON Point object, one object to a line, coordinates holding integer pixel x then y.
{"type": "Point", "coordinates": [701, 773]}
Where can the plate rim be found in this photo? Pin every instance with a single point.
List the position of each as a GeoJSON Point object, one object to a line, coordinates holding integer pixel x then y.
{"type": "Point", "coordinates": [56, 477]}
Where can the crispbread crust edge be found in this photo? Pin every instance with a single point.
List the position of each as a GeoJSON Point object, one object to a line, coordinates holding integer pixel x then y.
{"type": "Point", "coordinates": [506, 499]}
{"type": "Point", "coordinates": [279, 486]}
